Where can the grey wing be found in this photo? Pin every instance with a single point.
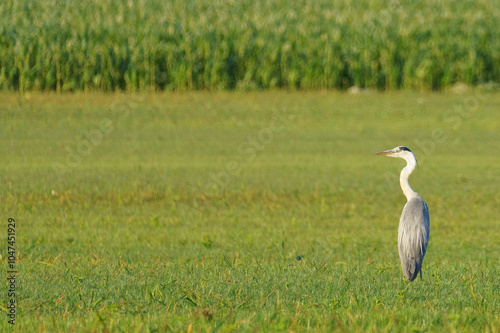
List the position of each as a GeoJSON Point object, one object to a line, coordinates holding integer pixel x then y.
{"type": "Point", "coordinates": [413, 236]}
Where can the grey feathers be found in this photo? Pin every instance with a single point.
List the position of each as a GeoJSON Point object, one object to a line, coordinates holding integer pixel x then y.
{"type": "Point", "coordinates": [413, 236]}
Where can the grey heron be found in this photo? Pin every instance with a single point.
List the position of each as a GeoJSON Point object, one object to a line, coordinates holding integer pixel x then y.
{"type": "Point", "coordinates": [414, 225]}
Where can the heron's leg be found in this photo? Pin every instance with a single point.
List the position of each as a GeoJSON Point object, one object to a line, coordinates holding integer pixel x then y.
{"type": "Point", "coordinates": [420, 274]}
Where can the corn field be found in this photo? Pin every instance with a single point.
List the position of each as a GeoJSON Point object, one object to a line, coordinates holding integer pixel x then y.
{"type": "Point", "coordinates": [136, 45]}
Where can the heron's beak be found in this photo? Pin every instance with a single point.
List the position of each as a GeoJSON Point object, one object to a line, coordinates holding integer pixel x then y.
{"type": "Point", "coordinates": [385, 152]}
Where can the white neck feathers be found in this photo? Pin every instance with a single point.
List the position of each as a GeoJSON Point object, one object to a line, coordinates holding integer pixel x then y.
{"type": "Point", "coordinates": [405, 173]}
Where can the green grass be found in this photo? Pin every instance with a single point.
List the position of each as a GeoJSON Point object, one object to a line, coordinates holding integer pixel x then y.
{"type": "Point", "coordinates": [139, 237]}
{"type": "Point", "coordinates": [132, 45]}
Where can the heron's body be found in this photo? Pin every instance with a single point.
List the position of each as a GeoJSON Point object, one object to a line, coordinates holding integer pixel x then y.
{"type": "Point", "coordinates": [414, 225]}
{"type": "Point", "coordinates": [413, 237]}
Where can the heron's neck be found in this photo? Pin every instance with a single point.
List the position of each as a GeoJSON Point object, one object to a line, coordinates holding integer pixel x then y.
{"type": "Point", "coordinates": [403, 178]}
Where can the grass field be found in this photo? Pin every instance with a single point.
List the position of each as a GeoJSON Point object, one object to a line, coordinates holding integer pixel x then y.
{"type": "Point", "coordinates": [202, 212]}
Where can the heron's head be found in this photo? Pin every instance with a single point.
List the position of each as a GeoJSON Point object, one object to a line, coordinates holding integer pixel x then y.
{"type": "Point", "coordinates": [401, 152]}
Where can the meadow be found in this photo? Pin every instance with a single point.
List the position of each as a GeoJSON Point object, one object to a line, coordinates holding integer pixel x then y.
{"type": "Point", "coordinates": [202, 212]}
{"type": "Point", "coordinates": [133, 45]}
